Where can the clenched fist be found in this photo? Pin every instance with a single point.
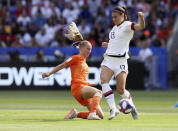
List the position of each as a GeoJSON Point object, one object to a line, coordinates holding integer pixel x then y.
{"type": "Point", "coordinates": [140, 14]}
{"type": "Point", "coordinates": [44, 75]}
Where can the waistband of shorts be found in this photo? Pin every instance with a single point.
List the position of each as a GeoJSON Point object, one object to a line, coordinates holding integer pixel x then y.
{"type": "Point", "coordinates": [118, 56]}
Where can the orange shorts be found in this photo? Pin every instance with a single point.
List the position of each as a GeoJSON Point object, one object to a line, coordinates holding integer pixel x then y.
{"type": "Point", "coordinates": [76, 91]}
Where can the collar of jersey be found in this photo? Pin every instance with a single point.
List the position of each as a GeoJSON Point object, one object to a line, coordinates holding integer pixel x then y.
{"type": "Point", "coordinates": [120, 23]}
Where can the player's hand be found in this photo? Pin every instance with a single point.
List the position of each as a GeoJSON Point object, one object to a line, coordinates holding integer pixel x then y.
{"type": "Point", "coordinates": [44, 75]}
{"type": "Point", "coordinates": [140, 14]}
{"type": "Point", "coordinates": [104, 44]}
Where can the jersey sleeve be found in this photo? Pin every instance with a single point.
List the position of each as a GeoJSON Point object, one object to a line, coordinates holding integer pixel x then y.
{"type": "Point", "coordinates": [129, 26]}
{"type": "Point", "coordinates": [71, 60]}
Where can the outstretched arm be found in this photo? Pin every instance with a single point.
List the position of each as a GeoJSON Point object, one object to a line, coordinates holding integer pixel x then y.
{"type": "Point", "coordinates": [141, 25]}
{"type": "Point", "coordinates": [56, 69]}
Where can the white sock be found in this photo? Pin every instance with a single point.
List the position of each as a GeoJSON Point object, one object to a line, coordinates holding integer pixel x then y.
{"type": "Point", "coordinates": [127, 95]}
{"type": "Point", "coordinates": [109, 95]}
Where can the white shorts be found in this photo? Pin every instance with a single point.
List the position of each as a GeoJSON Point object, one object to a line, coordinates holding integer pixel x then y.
{"type": "Point", "coordinates": [116, 64]}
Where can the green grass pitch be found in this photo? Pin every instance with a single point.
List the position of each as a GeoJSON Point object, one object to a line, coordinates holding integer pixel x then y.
{"type": "Point", "coordinates": [45, 110]}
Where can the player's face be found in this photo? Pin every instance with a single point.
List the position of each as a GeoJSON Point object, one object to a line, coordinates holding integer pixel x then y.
{"type": "Point", "coordinates": [116, 17]}
{"type": "Point", "coordinates": [87, 50]}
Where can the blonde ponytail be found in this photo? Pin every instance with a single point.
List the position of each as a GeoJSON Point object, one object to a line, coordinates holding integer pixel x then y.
{"type": "Point", "coordinates": [73, 33]}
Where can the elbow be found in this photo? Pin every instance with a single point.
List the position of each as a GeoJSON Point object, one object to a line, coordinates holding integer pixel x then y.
{"type": "Point", "coordinates": [140, 27]}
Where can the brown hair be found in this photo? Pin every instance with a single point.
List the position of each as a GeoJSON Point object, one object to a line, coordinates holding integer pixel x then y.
{"type": "Point", "coordinates": [121, 10]}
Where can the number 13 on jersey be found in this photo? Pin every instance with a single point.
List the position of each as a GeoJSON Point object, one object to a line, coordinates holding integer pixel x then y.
{"type": "Point", "coordinates": [112, 35]}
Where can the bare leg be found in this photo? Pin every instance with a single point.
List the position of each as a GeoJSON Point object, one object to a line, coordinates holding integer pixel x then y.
{"type": "Point", "coordinates": [120, 87]}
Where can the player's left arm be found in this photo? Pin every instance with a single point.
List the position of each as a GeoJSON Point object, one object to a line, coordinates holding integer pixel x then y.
{"type": "Point", "coordinates": [141, 25]}
{"type": "Point", "coordinates": [56, 69]}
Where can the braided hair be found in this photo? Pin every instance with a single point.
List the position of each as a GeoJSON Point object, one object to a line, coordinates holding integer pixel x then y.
{"type": "Point", "coordinates": [121, 10]}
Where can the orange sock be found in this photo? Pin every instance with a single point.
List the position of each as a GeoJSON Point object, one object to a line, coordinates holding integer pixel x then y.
{"type": "Point", "coordinates": [83, 115]}
{"type": "Point", "coordinates": [94, 103]}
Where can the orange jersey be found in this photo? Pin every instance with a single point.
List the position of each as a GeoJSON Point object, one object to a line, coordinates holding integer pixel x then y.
{"type": "Point", "coordinates": [79, 69]}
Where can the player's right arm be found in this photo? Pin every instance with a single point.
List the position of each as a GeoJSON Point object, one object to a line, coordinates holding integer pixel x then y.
{"type": "Point", "coordinates": [56, 69]}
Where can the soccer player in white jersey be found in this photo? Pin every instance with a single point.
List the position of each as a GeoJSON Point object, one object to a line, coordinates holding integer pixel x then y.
{"type": "Point", "coordinates": [115, 57]}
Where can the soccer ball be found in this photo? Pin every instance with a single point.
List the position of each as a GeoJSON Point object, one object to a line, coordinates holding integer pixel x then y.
{"type": "Point", "coordinates": [125, 106]}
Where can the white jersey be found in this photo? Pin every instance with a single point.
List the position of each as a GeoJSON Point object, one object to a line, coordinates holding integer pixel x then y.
{"type": "Point", "coordinates": [119, 39]}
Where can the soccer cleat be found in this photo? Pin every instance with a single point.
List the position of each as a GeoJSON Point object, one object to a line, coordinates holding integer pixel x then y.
{"type": "Point", "coordinates": [134, 114]}
{"type": "Point", "coordinates": [113, 113]}
{"type": "Point", "coordinates": [72, 114]}
{"type": "Point", "coordinates": [93, 116]}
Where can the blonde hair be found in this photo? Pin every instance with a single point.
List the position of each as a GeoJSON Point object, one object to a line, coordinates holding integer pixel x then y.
{"type": "Point", "coordinates": [72, 33]}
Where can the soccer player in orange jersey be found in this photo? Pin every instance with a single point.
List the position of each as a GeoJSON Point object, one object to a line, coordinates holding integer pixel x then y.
{"type": "Point", "coordinates": [81, 90]}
